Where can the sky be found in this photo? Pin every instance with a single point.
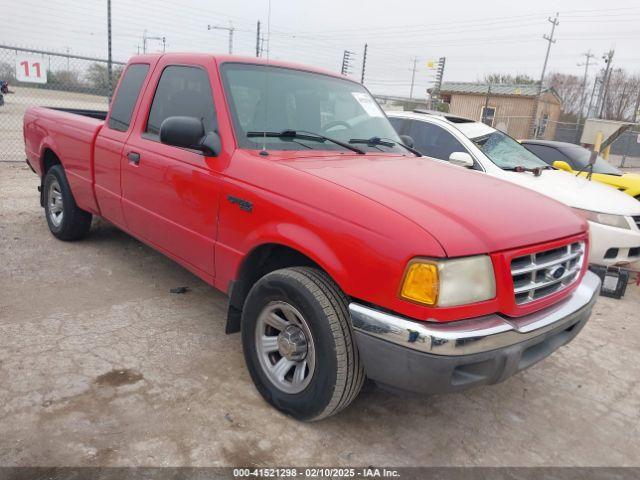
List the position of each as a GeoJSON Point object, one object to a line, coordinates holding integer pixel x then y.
{"type": "Point", "coordinates": [475, 37]}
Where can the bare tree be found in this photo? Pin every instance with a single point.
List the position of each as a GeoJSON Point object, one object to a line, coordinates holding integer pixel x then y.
{"type": "Point", "coordinates": [508, 78]}
{"type": "Point", "coordinates": [569, 88]}
{"type": "Point", "coordinates": [67, 79]}
{"type": "Point", "coordinates": [7, 72]}
{"type": "Point", "coordinates": [622, 92]}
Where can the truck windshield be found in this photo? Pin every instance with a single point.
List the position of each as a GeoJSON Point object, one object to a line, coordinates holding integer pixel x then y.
{"type": "Point", "coordinates": [275, 99]}
{"type": "Point", "coordinates": [506, 153]}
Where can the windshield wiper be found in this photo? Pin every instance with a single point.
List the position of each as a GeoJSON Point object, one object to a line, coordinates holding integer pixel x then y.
{"type": "Point", "coordinates": [385, 142]}
{"type": "Point", "coordinates": [305, 135]}
{"type": "Point", "coordinates": [537, 171]}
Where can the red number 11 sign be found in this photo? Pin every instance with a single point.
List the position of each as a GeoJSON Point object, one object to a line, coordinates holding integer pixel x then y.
{"type": "Point", "coordinates": [31, 69]}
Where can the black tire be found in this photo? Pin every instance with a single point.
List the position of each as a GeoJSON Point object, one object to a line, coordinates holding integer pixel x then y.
{"type": "Point", "coordinates": [338, 374]}
{"type": "Point", "coordinates": [74, 223]}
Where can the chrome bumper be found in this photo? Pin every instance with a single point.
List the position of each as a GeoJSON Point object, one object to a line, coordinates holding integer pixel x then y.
{"type": "Point", "coordinates": [477, 335]}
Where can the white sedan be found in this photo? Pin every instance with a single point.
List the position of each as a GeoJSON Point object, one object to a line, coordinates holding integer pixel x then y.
{"type": "Point", "coordinates": [614, 218]}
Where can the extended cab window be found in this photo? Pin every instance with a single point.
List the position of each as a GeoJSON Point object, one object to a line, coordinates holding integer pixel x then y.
{"type": "Point", "coordinates": [125, 100]}
{"type": "Point", "coordinates": [182, 91]}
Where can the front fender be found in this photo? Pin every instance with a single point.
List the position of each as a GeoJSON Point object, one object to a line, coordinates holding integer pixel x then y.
{"type": "Point", "coordinates": [304, 241]}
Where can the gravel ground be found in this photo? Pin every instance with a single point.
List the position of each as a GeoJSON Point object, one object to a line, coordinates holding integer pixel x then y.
{"type": "Point", "coordinates": [101, 366]}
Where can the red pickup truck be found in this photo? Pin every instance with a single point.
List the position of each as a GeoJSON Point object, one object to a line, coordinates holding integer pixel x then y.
{"type": "Point", "coordinates": [344, 254]}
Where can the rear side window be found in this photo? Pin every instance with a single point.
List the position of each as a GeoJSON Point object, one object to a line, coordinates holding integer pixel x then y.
{"type": "Point", "coordinates": [433, 141]}
{"type": "Point", "coordinates": [398, 124]}
{"type": "Point", "coordinates": [182, 91]}
{"type": "Point", "coordinates": [127, 96]}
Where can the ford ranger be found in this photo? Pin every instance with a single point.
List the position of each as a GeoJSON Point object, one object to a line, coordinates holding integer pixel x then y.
{"type": "Point", "coordinates": [344, 254]}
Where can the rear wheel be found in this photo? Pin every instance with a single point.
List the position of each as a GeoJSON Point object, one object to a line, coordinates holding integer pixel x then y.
{"type": "Point", "coordinates": [298, 343]}
{"type": "Point", "coordinates": [65, 219]}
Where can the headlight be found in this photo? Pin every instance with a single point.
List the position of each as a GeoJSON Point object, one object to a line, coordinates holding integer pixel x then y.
{"type": "Point", "coordinates": [618, 221]}
{"type": "Point", "coordinates": [446, 283]}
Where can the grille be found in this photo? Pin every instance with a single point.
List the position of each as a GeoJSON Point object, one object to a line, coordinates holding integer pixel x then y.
{"type": "Point", "coordinates": [637, 220]}
{"type": "Point", "coordinates": [540, 274]}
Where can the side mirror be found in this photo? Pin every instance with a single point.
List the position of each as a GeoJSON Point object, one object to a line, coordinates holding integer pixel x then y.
{"type": "Point", "coordinates": [461, 159]}
{"type": "Point", "coordinates": [188, 132]}
{"type": "Point", "coordinates": [407, 140]}
{"type": "Point", "coordinates": [560, 165]}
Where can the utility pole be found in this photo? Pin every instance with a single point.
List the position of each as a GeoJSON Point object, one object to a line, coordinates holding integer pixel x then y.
{"type": "Point", "coordinates": [258, 40]}
{"type": "Point", "coordinates": [229, 29]}
{"type": "Point", "coordinates": [583, 99]}
{"type": "Point", "coordinates": [604, 85]}
{"type": "Point", "coordinates": [593, 94]}
{"type": "Point", "coordinates": [549, 38]}
{"type": "Point", "coordinates": [486, 104]}
{"type": "Point", "coordinates": [439, 75]}
{"type": "Point", "coordinates": [109, 56]}
{"type": "Point", "coordinates": [413, 76]}
{"type": "Point", "coordinates": [346, 62]}
{"type": "Point", "coordinates": [364, 64]}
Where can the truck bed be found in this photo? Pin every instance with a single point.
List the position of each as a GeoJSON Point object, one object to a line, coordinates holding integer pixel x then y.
{"type": "Point", "coordinates": [97, 114]}
{"type": "Point", "coordinates": [71, 134]}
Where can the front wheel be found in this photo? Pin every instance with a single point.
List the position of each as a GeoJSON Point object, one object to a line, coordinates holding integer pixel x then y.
{"type": "Point", "coordinates": [65, 219]}
{"type": "Point", "coordinates": [298, 343]}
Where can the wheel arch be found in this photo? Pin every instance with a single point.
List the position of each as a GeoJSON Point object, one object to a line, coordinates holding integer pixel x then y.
{"type": "Point", "coordinates": [48, 159]}
{"type": "Point", "coordinates": [261, 260]}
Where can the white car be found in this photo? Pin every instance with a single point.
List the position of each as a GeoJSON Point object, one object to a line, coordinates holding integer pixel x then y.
{"type": "Point", "coordinates": [614, 218]}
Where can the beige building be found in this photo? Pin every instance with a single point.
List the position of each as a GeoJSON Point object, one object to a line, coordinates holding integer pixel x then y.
{"type": "Point", "coordinates": [508, 107]}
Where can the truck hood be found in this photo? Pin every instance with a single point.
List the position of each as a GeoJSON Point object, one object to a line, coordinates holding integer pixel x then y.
{"type": "Point", "coordinates": [576, 192]}
{"type": "Point", "coordinates": [468, 212]}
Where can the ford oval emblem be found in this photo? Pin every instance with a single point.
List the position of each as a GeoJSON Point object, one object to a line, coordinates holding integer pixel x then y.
{"type": "Point", "coordinates": [555, 273]}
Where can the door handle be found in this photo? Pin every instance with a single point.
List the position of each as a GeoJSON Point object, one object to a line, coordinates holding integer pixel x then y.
{"type": "Point", "coordinates": [133, 157]}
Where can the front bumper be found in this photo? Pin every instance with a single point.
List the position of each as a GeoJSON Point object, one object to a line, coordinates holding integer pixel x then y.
{"type": "Point", "coordinates": [435, 358]}
{"type": "Point", "coordinates": [622, 244]}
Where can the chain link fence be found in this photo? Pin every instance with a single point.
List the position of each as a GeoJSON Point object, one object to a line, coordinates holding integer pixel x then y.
{"type": "Point", "coordinates": [50, 79]}
{"type": "Point", "coordinates": [624, 152]}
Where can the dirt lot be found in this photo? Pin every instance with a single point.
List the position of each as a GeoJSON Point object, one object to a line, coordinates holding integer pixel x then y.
{"type": "Point", "coordinates": [11, 114]}
{"type": "Point", "coordinates": [101, 365]}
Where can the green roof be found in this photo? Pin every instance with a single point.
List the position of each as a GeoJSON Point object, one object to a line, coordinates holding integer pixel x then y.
{"type": "Point", "coordinates": [527, 90]}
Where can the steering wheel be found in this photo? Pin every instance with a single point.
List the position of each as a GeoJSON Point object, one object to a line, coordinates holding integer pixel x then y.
{"type": "Point", "coordinates": [337, 123]}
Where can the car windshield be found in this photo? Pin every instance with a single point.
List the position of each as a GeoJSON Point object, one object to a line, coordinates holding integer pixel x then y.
{"type": "Point", "coordinates": [580, 157]}
{"type": "Point", "coordinates": [505, 152]}
{"type": "Point", "coordinates": [275, 99]}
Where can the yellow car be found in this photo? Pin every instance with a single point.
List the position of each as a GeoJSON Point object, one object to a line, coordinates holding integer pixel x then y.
{"type": "Point", "coordinates": [573, 158]}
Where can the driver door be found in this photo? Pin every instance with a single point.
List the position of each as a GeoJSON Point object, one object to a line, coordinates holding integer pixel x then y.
{"type": "Point", "coordinates": [170, 194]}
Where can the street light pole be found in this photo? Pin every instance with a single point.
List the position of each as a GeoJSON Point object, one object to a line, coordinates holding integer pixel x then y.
{"type": "Point", "coordinates": [229, 29]}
